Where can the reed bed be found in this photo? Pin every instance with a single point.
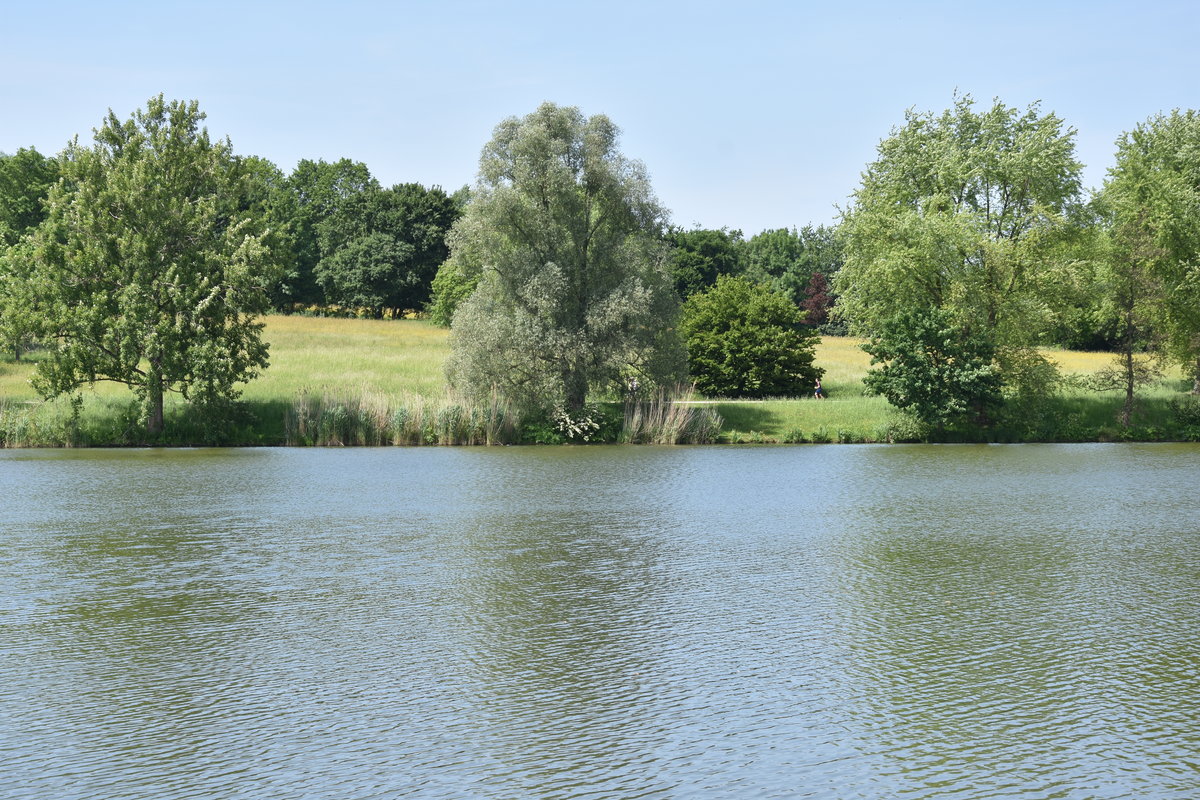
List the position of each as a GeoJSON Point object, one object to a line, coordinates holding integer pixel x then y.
{"type": "Point", "coordinates": [373, 419]}
{"type": "Point", "coordinates": [25, 424]}
{"type": "Point", "coordinates": [670, 418]}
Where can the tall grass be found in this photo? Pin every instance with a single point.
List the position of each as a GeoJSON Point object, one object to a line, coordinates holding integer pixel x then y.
{"type": "Point", "coordinates": [372, 419]}
{"type": "Point", "coordinates": [24, 424]}
{"type": "Point", "coordinates": [670, 418]}
{"type": "Point", "coordinates": [318, 355]}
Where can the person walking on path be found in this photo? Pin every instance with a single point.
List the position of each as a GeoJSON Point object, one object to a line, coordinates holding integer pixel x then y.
{"type": "Point", "coordinates": [817, 393]}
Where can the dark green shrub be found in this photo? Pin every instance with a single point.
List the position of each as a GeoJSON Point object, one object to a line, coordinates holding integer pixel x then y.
{"type": "Point", "coordinates": [747, 340]}
{"type": "Point", "coordinates": [1186, 410]}
{"type": "Point", "coordinates": [941, 373]}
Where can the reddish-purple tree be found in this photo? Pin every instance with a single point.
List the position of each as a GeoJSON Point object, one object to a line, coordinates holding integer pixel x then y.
{"type": "Point", "coordinates": [817, 300]}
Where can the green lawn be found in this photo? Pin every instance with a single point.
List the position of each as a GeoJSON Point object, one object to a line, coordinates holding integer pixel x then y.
{"type": "Point", "coordinates": [389, 362]}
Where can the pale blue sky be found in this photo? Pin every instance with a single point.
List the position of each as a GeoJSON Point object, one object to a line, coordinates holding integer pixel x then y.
{"type": "Point", "coordinates": [753, 115]}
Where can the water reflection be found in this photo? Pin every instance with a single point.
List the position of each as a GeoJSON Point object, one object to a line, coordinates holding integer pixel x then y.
{"type": "Point", "coordinates": [841, 622]}
{"type": "Point", "coordinates": [1001, 646]}
{"type": "Point", "coordinates": [558, 632]}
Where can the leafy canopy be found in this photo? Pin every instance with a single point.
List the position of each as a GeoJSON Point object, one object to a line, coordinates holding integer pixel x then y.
{"type": "Point", "coordinates": [574, 295]}
{"type": "Point", "coordinates": [747, 340]}
{"type": "Point", "coordinates": [25, 179]}
{"type": "Point", "coordinates": [382, 247]}
{"type": "Point", "coordinates": [319, 189]}
{"type": "Point", "coordinates": [701, 255]}
{"type": "Point", "coordinates": [1152, 196]}
{"type": "Point", "coordinates": [787, 259]}
{"type": "Point", "coordinates": [149, 272]}
{"type": "Point", "coordinates": [970, 211]}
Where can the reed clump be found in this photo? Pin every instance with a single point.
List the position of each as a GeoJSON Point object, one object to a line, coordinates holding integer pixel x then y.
{"type": "Point", "coordinates": [370, 419]}
{"type": "Point", "coordinates": [670, 417]}
{"type": "Point", "coordinates": [41, 424]}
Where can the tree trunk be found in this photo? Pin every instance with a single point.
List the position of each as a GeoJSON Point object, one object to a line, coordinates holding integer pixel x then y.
{"type": "Point", "coordinates": [982, 418]}
{"type": "Point", "coordinates": [1127, 408]}
{"type": "Point", "coordinates": [154, 385]}
{"type": "Point", "coordinates": [575, 389]}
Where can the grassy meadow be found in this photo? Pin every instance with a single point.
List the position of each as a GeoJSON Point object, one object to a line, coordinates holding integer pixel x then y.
{"type": "Point", "coordinates": [355, 381]}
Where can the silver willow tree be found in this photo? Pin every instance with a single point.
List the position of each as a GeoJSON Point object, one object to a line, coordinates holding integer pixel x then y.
{"type": "Point", "coordinates": [574, 292]}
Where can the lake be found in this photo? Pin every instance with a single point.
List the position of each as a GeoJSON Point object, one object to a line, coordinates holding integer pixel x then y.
{"type": "Point", "coordinates": [601, 622]}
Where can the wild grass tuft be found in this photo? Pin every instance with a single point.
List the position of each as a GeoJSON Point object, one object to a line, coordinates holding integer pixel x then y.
{"type": "Point", "coordinates": [373, 419]}
{"type": "Point", "coordinates": [670, 418]}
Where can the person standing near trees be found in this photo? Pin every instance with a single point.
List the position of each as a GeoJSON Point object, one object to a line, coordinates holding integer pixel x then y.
{"type": "Point", "coordinates": [818, 394]}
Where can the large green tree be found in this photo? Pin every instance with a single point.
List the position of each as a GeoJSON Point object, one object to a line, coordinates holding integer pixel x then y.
{"type": "Point", "coordinates": [748, 340]}
{"type": "Point", "coordinates": [149, 272]}
{"type": "Point", "coordinates": [701, 255]}
{"type": "Point", "coordinates": [968, 211]}
{"type": "Point", "coordinates": [382, 247]}
{"type": "Point", "coordinates": [320, 189]}
{"type": "Point", "coordinates": [1153, 197]}
{"type": "Point", "coordinates": [574, 292]}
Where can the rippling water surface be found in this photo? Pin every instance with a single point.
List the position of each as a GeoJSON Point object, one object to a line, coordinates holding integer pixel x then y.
{"type": "Point", "coordinates": [601, 622]}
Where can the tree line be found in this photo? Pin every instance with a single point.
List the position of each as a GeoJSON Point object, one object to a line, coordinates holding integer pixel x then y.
{"type": "Point", "coordinates": [969, 245]}
{"type": "Point", "coordinates": [343, 239]}
{"type": "Point", "coordinates": [148, 257]}
{"type": "Point", "coordinates": [971, 241]}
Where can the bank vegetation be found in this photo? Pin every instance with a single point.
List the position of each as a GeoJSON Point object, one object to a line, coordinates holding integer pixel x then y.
{"type": "Point", "coordinates": [156, 287]}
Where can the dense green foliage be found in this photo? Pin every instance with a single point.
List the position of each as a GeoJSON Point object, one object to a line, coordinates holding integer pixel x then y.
{"type": "Point", "coordinates": [943, 374]}
{"type": "Point", "coordinates": [319, 189]}
{"type": "Point", "coordinates": [358, 246]}
{"type": "Point", "coordinates": [382, 247]}
{"type": "Point", "coordinates": [574, 295]}
{"type": "Point", "coordinates": [266, 196]}
{"type": "Point", "coordinates": [699, 256]}
{"type": "Point", "coordinates": [967, 211]}
{"type": "Point", "coordinates": [1153, 199]}
{"type": "Point", "coordinates": [451, 285]}
{"type": "Point", "coordinates": [747, 340]}
{"type": "Point", "coordinates": [972, 214]}
{"type": "Point", "coordinates": [146, 271]}
{"type": "Point", "coordinates": [25, 179]}
{"type": "Point", "coordinates": [787, 259]}
{"type": "Point", "coordinates": [450, 288]}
